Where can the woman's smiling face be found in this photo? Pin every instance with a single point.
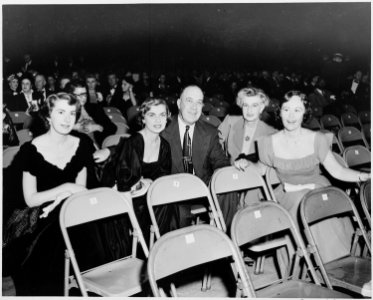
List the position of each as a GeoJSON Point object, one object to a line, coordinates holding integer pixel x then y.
{"type": "Point", "coordinates": [292, 112]}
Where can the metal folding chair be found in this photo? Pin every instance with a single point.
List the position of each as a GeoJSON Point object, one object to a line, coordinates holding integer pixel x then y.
{"type": "Point", "coordinates": [219, 112]}
{"type": "Point", "coordinates": [348, 108]}
{"type": "Point", "coordinates": [365, 200]}
{"type": "Point", "coordinates": [366, 131]}
{"type": "Point", "coordinates": [349, 272]}
{"type": "Point", "coordinates": [112, 110]}
{"type": "Point", "coordinates": [364, 117]}
{"type": "Point", "coordinates": [336, 145]}
{"type": "Point", "coordinates": [24, 135]}
{"type": "Point", "coordinates": [132, 113]}
{"type": "Point", "coordinates": [317, 111]}
{"type": "Point", "coordinates": [269, 218]}
{"type": "Point", "coordinates": [313, 124]}
{"type": "Point", "coordinates": [122, 128]}
{"type": "Point", "coordinates": [350, 119]}
{"type": "Point", "coordinates": [113, 140]}
{"type": "Point", "coordinates": [122, 277]}
{"type": "Point", "coordinates": [213, 120]}
{"type": "Point", "coordinates": [330, 122]}
{"type": "Point", "coordinates": [18, 117]}
{"type": "Point", "coordinates": [358, 157]}
{"type": "Point", "coordinates": [117, 118]}
{"type": "Point", "coordinates": [192, 246]}
{"type": "Point", "coordinates": [349, 136]}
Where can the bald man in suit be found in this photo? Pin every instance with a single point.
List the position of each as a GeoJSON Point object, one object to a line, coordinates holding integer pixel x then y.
{"type": "Point", "coordinates": [207, 153]}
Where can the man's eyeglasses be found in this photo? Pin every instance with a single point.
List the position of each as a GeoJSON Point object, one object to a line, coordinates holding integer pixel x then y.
{"type": "Point", "coordinates": [81, 95]}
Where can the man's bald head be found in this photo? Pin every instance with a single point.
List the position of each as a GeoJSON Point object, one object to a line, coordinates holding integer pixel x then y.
{"type": "Point", "coordinates": [190, 104]}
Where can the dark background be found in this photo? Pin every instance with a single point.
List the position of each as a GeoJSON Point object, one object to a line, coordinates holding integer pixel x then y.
{"type": "Point", "coordinates": [171, 36]}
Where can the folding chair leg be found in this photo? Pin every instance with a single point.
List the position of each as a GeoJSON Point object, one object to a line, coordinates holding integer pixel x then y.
{"type": "Point", "coordinates": [67, 272]}
{"type": "Point", "coordinates": [173, 290]}
{"type": "Point", "coordinates": [261, 270]}
{"type": "Point", "coordinates": [206, 281]}
{"type": "Point", "coordinates": [258, 265]}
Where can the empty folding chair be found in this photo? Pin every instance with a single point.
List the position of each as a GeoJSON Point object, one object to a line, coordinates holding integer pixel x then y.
{"type": "Point", "coordinates": [349, 136]}
{"type": "Point", "coordinates": [113, 140]}
{"type": "Point", "coordinates": [213, 120]}
{"type": "Point", "coordinates": [347, 271]}
{"type": "Point", "coordinates": [364, 117]}
{"type": "Point", "coordinates": [269, 218]}
{"type": "Point", "coordinates": [188, 247]}
{"type": "Point", "coordinates": [313, 124]}
{"type": "Point", "coordinates": [365, 199]}
{"type": "Point", "coordinates": [330, 122]}
{"type": "Point", "coordinates": [229, 179]}
{"type": "Point", "coordinates": [9, 154]}
{"type": "Point", "coordinates": [177, 188]}
{"type": "Point", "coordinates": [348, 108]}
{"type": "Point", "coordinates": [20, 118]}
{"type": "Point", "coordinates": [24, 135]}
{"type": "Point", "coordinates": [117, 118]}
{"type": "Point", "coordinates": [350, 119]}
{"type": "Point", "coordinates": [112, 110]}
{"type": "Point", "coordinates": [122, 277]}
{"type": "Point", "coordinates": [358, 158]}
{"type": "Point", "coordinates": [317, 111]}
{"type": "Point", "coordinates": [132, 113]}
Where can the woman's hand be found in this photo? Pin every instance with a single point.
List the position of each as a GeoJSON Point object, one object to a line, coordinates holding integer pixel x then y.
{"type": "Point", "coordinates": [364, 176]}
{"type": "Point", "coordinates": [101, 155]}
{"type": "Point", "coordinates": [241, 164]}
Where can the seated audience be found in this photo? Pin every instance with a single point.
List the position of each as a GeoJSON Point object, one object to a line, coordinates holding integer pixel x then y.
{"type": "Point", "coordinates": [296, 154]}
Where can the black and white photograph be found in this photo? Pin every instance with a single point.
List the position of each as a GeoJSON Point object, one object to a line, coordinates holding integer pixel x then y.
{"type": "Point", "coordinates": [186, 149]}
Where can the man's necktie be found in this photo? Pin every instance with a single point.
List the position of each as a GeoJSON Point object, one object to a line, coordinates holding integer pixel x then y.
{"type": "Point", "coordinates": [187, 152]}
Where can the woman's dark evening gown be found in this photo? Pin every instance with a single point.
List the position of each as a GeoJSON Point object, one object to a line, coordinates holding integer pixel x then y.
{"type": "Point", "coordinates": [40, 255]}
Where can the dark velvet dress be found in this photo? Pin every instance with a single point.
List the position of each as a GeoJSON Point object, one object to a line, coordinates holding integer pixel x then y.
{"type": "Point", "coordinates": [124, 168]}
{"type": "Point", "coordinates": [38, 257]}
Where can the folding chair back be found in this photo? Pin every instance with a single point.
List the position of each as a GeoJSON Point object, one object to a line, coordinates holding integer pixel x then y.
{"type": "Point", "coordinates": [113, 140]}
{"type": "Point", "coordinates": [365, 199]}
{"type": "Point", "coordinates": [18, 117]}
{"type": "Point", "coordinates": [121, 277]}
{"type": "Point", "coordinates": [117, 118]}
{"type": "Point", "coordinates": [350, 119]}
{"type": "Point", "coordinates": [122, 128]}
{"type": "Point", "coordinates": [340, 160]}
{"type": "Point", "coordinates": [267, 218]}
{"type": "Point", "coordinates": [317, 111]}
{"type": "Point", "coordinates": [211, 119]}
{"type": "Point", "coordinates": [364, 117]}
{"type": "Point", "coordinates": [9, 154]}
{"type": "Point", "coordinates": [24, 135]}
{"type": "Point", "coordinates": [112, 110]}
{"type": "Point", "coordinates": [192, 246]}
{"type": "Point", "coordinates": [132, 113]}
{"type": "Point", "coordinates": [348, 108]}
{"type": "Point", "coordinates": [313, 124]}
{"type": "Point", "coordinates": [357, 157]}
{"type": "Point", "coordinates": [207, 106]}
{"type": "Point", "coordinates": [349, 272]}
{"type": "Point", "coordinates": [230, 179]}
{"type": "Point", "coordinates": [366, 132]}
{"type": "Point", "coordinates": [176, 188]}
{"type": "Point", "coordinates": [219, 112]}
{"type": "Point", "coordinates": [330, 122]}
{"type": "Point", "coordinates": [349, 136]}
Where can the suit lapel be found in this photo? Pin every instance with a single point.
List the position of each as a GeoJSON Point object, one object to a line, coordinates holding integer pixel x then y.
{"type": "Point", "coordinates": [200, 145]}
{"type": "Point", "coordinates": [238, 134]}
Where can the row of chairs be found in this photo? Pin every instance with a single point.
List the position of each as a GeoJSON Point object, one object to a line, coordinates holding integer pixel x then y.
{"type": "Point", "coordinates": [203, 243]}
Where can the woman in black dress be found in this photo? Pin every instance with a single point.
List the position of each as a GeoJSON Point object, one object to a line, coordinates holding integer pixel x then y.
{"type": "Point", "coordinates": [53, 166]}
{"type": "Point", "coordinates": [144, 155]}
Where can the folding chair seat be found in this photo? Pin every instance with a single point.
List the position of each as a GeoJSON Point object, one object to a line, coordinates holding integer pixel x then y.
{"type": "Point", "coordinates": [348, 108]}
{"type": "Point", "coordinates": [188, 247]}
{"type": "Point", "coordinates": [350, 119]}
{"type": "Point", "coordinates": [213, 120]}
{"type": "Point", "coordinates": [177, 188]}
{"type": "Point", "coordinates": [333, 140]}
{"type": "Point", "coordinates": [24, 135]}
{"type": "Point", "coordinates": [365, 200]}
{"type": "Point", "coordinates": [117, 118]}
{"type": "Point", "coordinates": [112, 110]}
{"type": "Point", "coordinates": [9, 154]}
{"type": "Point", "coordinates": [366, 132]}
{"type": "Point", "coordinates": [348, 271]}
{"type": "Point", "coordinates": [122, 128]}
{"type": "Point", "coordinates": [358, 158]}
{"type": "Point", "coordinates": [229, 179]}
{"type": "Point", "coordinates": [313, 124]}
{"type": "Point", "coordinates": [122, 277]}
{"type": "Point", "coordinates": [349, 136]}
{"type": "Point", "coordinates": [364, 117]}
{"type": "Point", "coordinates": [269, 218]}
{"type": "Point", "coordinates": [330, 122]}
{"type": "Point", "coordinates": [113, 140]}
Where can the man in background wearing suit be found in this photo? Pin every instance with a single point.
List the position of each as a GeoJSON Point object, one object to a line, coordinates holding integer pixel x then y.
{"type": "Point", "coordinates": [206, 154]}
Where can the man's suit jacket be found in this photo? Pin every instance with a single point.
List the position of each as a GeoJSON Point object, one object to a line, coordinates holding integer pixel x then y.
{"type": "Point", "coordinates": [19, 103]}
{"type": "Point", "coordinates": [316, 99]}
{"type": "Point", "coordinates": [231, 135]}
{"type": "Point", "coordinates": [207, 153]}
